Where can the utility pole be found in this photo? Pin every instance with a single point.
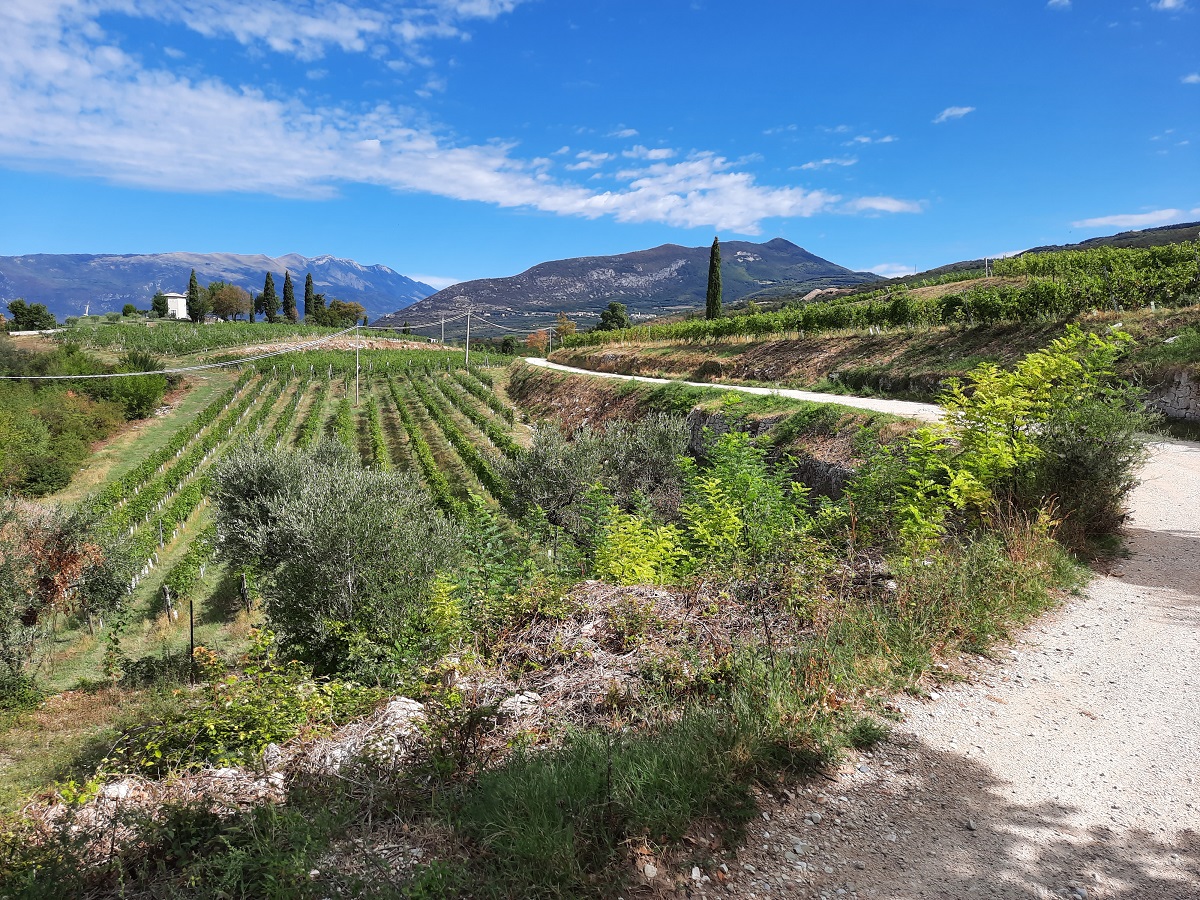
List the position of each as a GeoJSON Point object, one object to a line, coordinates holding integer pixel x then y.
{"type": "Point", "coordinates": [467, 360]}
{"type": "Point", "coordinates": [443, 329]}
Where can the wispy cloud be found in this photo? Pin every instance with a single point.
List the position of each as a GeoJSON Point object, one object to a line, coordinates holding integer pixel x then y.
{"type": "Point", "coordinates": [76, 102]}
{"type": "Point", "coordinates": [438, 282]}
{"type": "Point", "coordinates": [588, 159]}
{"type": "Point", "coordinates": [830, 161]}
{"type": "Point", "coordinates": [892, 270]}
{"type": "Point", "coordinates": [1193, 78]}
{"type": "Point", "coordinates": [884, 205]}
{"type": "Point", "coordinates": [1169, 5]}
{"type": "Point", "coordinates": [866, 139]}
{"type": "Point", "coordinates": [953, 112]}
{"type": "Point", "coordinates": [639, 152]}
{"type": "Point", "coordinates": [623, 133]}
{"type": "Point", "coordinates": [1058, 4]}
{"type": "Point", "coordinates": [1136, 220]}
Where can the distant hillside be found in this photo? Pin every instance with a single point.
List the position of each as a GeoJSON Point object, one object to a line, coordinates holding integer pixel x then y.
{"type": "Point", "coordinates": [1148, 237]}
{"type": "Point", "coordinates": [67, 283]}
{"type": "Point", "coordinates": [650, 283]}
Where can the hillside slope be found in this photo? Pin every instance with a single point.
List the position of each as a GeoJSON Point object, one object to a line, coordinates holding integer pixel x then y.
{"type": "Point", "coordinates": [651, 282]}
{"type": "Point", "coordinates": [69, 283]}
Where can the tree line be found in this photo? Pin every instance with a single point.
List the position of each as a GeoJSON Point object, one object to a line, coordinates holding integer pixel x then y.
{"type": "Point", "coordinates": [229, 301]}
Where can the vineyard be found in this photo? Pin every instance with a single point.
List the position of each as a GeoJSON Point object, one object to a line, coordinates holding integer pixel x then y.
{"type": "Point", "coordinates": [418, 411]}
{"type": "Point", "coordinates": [1036, 287]}
{"type": "Point", "coordinates": [170, 338]}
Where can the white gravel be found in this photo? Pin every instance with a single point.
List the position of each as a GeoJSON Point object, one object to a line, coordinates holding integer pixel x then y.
{"type": "Point", "coordinates": [926, 412]}
{"type": "Point", "coordinates": [1071, 768]}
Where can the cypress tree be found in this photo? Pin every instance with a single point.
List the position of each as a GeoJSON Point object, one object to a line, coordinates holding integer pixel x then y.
{"type": "Point", "coordinates": [308, 297]}
{"type": "Point", "coordinates": [195, 300]}
{"type": "Point", "coordinates": [270, 300]}
{"type": "Point", "coordinates": [712, 300]}
{"type": "Point", "coordinates": [289, 297]}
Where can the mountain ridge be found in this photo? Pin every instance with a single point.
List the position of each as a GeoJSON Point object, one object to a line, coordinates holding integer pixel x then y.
{"type": "Point", "coordinates": [68, 283]}
{"type": "Point", "coordinates": [669, 278]}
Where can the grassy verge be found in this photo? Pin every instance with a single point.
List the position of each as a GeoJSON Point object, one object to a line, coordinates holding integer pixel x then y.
{"type": "Point", "coordinates": [126, 450]}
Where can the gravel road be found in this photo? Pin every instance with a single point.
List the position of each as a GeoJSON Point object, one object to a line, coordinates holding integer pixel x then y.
{"type": "Point", "coordinates": [1067, 768]}
{"type": "Point", "coordinates": [926, 412]}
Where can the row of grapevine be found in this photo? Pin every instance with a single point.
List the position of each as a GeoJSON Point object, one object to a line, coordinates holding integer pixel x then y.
{"type": "Point", "coordinates": [266, 405]}
{"type": "Point", "coordinates": [463, 402]}
{"type": "Point", "coordinates": [435, 479]}
{"type": "Point", "coordinates": [171, 338]}
{"type": "Point", "coordinates": [129, 483]}
{"type": "Point", "coordinates": [466, 449]}
{"type": "Point", "coordinates": [185, 575]}
{"type": "Point", "coordinates": [484, 391]}
{"type": "Point", "coordinates": [283, 424]}
{"type": "Point", "coordinates": [342, 425]}
{"type": "Point", "coordinates": [380, 458]}
{"type": "Point", "coordinates": [310, 425]}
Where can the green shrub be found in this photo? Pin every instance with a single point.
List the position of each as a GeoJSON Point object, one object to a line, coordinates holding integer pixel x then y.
{"type": "Point", "coordinates": [230, 718]}
{"type": "Point", "coordinates": [633, 550]}
{"type": "Point", "coordinates": [348, 554]}
{"type": "Point", "coordinates": [1059, 428]}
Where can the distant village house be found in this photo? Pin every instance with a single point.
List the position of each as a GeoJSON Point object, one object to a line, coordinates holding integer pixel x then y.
{"type": "Point", "coordinates": [176, 306]}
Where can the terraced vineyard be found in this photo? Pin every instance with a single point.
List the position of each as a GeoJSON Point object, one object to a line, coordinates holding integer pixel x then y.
{"type": "Point", "coordinates": [416, 412]}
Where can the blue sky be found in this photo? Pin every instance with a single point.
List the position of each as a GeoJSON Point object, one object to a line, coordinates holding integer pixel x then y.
{"type": "Point", "coordinates": [456, 139]}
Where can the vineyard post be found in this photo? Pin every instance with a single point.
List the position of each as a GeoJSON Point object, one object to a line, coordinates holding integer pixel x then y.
{"type": "Point", "coordinates": [356, 343]}
{"type": "Point", "coordinates": [467, 358]}
{"type": "Point", "coordinates": [191, 640]}
{"type": "Point", "coordinates": [443, 328]}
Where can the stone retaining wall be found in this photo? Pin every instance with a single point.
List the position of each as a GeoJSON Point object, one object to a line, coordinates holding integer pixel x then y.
{"type": "Point", "coordinates": [1178, 397]}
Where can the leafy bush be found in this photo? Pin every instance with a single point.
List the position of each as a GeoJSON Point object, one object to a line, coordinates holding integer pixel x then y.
{"type": "Point", "coordinates": [348, 555]}
{"type": "Point", "coordinates": [634, 550]}
{"type": "Point", "coordinates": [1059, 428]}
{"type": "Point", "coordinates": [231, 718]}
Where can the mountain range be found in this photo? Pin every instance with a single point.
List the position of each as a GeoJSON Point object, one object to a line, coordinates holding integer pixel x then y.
{"type": "Point", "coordinates": [70, 283]}
{"type": "Point", "coordinates": [660, 281]}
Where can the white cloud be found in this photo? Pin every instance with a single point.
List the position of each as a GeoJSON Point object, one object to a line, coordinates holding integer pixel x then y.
{"type": "Point", "coordinates": [1193, 78]}
{"type": "Point", "coordinates": [823, 163]}
{"type": "Point", "coordinates": [864, 139]}
{"type": "Point", "coordinates": [1169, 5]}
{"type": "Point", "coordinates": [623, 133]}
{"type": "Point", "coordinates": [1135, 220]}
{"type": "Point", "coordinates": [952, 112]}
{"type": "Point", "coordinates": [438, 282]}
{"type": "Point", "coordinates": [75, 102]}
{"type": "Point", "coordinates": [640, 152]}
{"type": "Point", "coordinates": [1058, 4]}
{"type": "Point", "coordinates": [588, 160]}
{"type": "Point", "coordinates": [892, 270]}
{"type": "Point", "coordinates": [884, 205]}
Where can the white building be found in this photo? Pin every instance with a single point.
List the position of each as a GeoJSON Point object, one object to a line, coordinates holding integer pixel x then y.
{"type": "Point", "coordinates": [176, 306]}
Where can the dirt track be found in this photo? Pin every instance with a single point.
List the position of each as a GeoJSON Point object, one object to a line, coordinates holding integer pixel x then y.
{"type": "Point", "coordinates": [1067, 769]}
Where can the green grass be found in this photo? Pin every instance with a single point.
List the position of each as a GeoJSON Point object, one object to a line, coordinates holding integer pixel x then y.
{"type": "Point", "coordinates": [126, 450]}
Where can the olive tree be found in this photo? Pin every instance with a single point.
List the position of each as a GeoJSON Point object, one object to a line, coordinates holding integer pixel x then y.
{"type": "Point", "coordinates": [347, 556]}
